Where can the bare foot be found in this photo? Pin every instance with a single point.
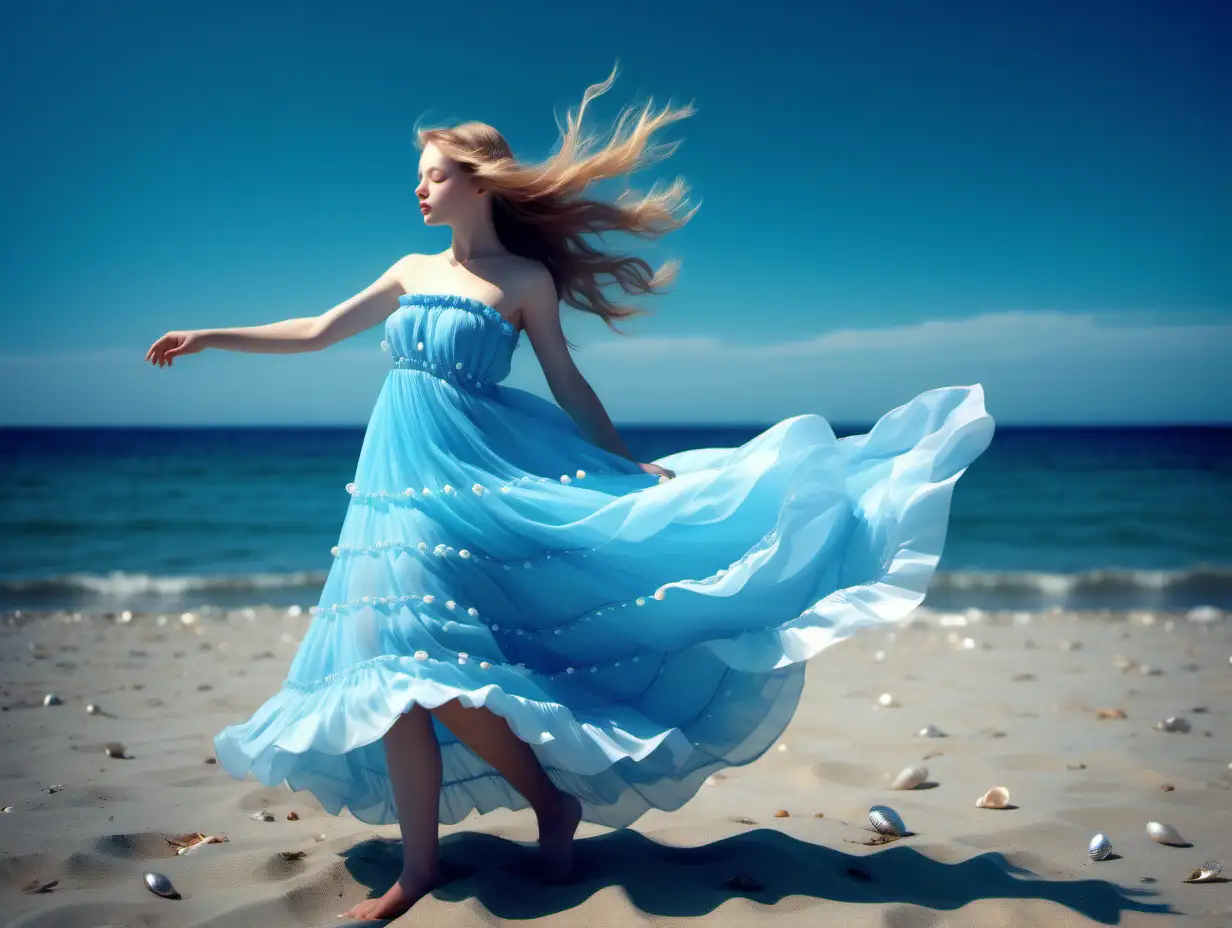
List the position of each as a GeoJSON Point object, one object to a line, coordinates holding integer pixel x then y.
{"type": "Point", "coordinates": [556, 840]}
{"type": "Point", "coordinates": [405, 892]}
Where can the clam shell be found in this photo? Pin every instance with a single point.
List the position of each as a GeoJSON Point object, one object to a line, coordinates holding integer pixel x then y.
{"type": "Point", "coordinates": [265, 815]}
{"type": "Point", "coordinates": [115, 749]}
{"type": "Point", "coordinates": [996, 798]}
{"type": "Point", "coordinates": [886, 821]}
{"type": "Point", "coordinates": [930, 731]}
{"type": "Point", "coordinates": [910, 777]}
{"type": "Point", "coordinates": [159, 885]}
{"type": "Point", "coordinates": [51, 699]}
{"type": "Point", "coordinates": [1164, 834]}
{"type": "Point", "coordinates": [1100, 847]}
{"type": "Point", "coordinates": [1204, 874]}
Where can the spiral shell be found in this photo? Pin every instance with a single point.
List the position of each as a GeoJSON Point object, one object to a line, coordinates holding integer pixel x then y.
{"type": "Point", "coordinates": [996, 798]}
{"type": "Point", "coordinates": [1100, 847]}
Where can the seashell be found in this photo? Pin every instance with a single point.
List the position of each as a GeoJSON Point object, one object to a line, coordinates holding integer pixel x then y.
{"type": "Point", "coordinates": [1208, 871]}
{"type": "Point", "coordinates": [263, 816]}
{"type": "Point", "coordinates": [292, 816]}
{"type": "Point", "coordinates": [1110, 714]}
{"type": "Point", "coordinates": [782, 813]}
{"type": "Point", "coordinates": [930, 731]}
{"type": "Point", "coordinates": [159, 885]}
{"type": "Point", "coordinates": [1164, 834]}
{"type": "Point", "coordinates": [93, 709]}
{"type": "Point", "coordinates": [996, 798]}
{"type": "Point", "coordinates": [886, 821]}
{"type": "Point", "coordinates": [54, 788]}
{"type": "Point", "coordinates": [910, 777]}
{"type": "Point", "coordinates": [115, 749]}
{"type": "Point", "coordinates": [1100, 847]}
{"type": "Point", "coordinates": [51, 699]}
{"type": "Point", "coordinates": [7, 809]}
{"type": "Point", "coordinates": [885, 699]}
{"type": "Point", "coordinates": [1172, 723]}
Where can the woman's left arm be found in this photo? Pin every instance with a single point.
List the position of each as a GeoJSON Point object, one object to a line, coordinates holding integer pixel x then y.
{"type": "Point", "coordinates": [541, 322]}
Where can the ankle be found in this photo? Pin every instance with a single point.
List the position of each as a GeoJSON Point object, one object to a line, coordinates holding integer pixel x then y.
{"type": "Point", "coordinates": [551, 808]}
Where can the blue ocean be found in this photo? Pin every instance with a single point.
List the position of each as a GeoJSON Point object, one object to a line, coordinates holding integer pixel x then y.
{"type": "Point", "coordinates": [103, 519]}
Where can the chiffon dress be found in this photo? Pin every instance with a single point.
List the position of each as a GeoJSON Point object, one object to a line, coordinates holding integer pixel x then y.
{"type": "Point", "coordinates": [639, 632]}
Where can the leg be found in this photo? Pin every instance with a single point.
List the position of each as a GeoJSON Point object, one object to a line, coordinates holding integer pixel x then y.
{"type": "Point", "coordinates": [414, 759]}
{"type": "Point", "coordinates": [559, 813]}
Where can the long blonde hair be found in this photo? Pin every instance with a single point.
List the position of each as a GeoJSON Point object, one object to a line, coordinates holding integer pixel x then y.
{"type": "Point", "coordinates": [538, 211]}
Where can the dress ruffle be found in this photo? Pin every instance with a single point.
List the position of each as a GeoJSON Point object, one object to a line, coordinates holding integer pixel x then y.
{"type": "Point", "coordinates": [639, 634]}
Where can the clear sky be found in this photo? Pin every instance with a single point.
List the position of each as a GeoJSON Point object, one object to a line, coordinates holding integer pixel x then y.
{"type": "Point", "coordinates": [894, 197]}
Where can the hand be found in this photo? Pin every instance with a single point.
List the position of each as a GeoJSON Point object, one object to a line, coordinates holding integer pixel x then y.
{"type": "Point", "coordinates": [174, 344]}
{"type": "Point", "coordinates": [656, 469]}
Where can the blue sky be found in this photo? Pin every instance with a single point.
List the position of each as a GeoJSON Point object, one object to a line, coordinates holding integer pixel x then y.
{"type": "Point", "coordinates": [895, 197]}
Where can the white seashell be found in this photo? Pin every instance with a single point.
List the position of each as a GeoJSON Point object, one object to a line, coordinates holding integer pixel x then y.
{"type": "Point", "coordinates": [1173, 723]}
{"type": "Point", "coordinates": [1164, 834]}
{"type": "Point", "coordinates": [93, 709]}
{"type": "Point", "coordinates": [996, 798]}
{"type": "Point", "coordinates": [160, 886]}
{"type": "Point", "coordinates": [1100, 847]}
{"type": "Point", "coordinates": [910, 778]}
{"type": "Point", "coordinates": [1208, 871]}
{"type": "Point", "coordinates": [886, 821]}
{"type": "Point", "coordinates": [263, 816]}
{"type": "Point", "coordinates": [885, 699]}
{"type": "Point", "coordinates": [51, 699]}
{"type": "Point", "coordinates": [931, 731]}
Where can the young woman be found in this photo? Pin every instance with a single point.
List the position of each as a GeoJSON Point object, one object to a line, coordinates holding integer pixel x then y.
{"type": "Point", "coordinates": [518, 612]}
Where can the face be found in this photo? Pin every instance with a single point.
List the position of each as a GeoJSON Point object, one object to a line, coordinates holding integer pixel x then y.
{"type": "Point", "coordinates": [443, 187]}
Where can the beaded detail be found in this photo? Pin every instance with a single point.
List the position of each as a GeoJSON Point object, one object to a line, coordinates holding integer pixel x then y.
{"type": "Point", "coordinates": [455, 375]}
{"type": "Point", "coordinates": [454, 301]}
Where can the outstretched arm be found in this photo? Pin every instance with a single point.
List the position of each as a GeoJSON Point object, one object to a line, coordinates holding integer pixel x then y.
{"type": "Point", "coordinates": [310, 333]}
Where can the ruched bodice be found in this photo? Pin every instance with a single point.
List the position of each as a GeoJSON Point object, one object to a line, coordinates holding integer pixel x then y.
{"type": "Point", "coordinates": [457, 339]}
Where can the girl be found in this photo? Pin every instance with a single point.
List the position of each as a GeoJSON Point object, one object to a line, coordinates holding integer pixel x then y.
{"type": "Point", "coordinates": [518, 612]}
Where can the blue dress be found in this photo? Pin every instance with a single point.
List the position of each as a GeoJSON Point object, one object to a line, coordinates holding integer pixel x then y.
{"type": "Point", "coordinates": [639, 632]}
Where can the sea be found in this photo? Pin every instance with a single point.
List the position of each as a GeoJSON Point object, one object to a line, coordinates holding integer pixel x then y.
{"type": "Point", "coordinates": [150, 518]}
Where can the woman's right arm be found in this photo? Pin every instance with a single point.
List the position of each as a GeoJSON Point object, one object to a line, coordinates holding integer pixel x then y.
{"type": "Point", "coordinates": [370, 306]}
{"type": "Point", "coordinates": [367, 308]}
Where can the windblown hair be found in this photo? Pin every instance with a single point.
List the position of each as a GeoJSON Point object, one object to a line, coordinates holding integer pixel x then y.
{"type": "Point", "coordinates": [539, 213]}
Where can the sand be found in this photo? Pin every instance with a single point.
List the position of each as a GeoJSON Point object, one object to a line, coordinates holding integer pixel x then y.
{"type": "Point", "coordinates": [1016, 694]}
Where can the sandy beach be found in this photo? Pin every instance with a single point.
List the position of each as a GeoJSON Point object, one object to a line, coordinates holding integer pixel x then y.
{"type": "Point", "coordinates": [785, 841]}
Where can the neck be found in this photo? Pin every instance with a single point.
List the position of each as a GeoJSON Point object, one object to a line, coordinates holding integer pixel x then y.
{"type": "Point", "coordinates": [477, 241]}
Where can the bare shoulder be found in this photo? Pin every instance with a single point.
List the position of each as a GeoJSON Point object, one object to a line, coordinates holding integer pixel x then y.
{"type": "Point", "coordinates": [534, 286]}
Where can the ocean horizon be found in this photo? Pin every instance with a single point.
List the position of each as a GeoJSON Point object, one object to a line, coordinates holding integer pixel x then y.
{"type": "Point", "coordinates": [105, 518]}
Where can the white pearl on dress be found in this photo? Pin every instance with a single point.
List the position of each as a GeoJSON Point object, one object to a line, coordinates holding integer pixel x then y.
{"type": "Point", "coordinates": [484, 664]}
{"type": "Point", "coordinates": [439, 550]}
{"type": "Point", "coordinates": [419, 346]}
{"type": "Point", "coordinates": [447, 488]}
{"type": "Point", "coordinates": [450, 604]}
{"type": "Point", "coordinates": [659, 594]}
{"type": "Point", "coordinates": [428, 598]}
{"type": "Point", "coordinates": [421, 655]}
{"type": "Point", "coordinates": [426, 492]}
{"type": "Point", "coordinates": [334, 550]}
{"type": "Point", "coordinates": [504, 489]}
{"type": "Point", "coordinates": [422, 546]}
{"type": "Point", "coordinates": [408, 492]}
{"type": "Point", "coordinates": [641, 600]}
{"type": "Point", "coordinates": [477, 489]}
{"type": "Point", "coordinates": [472, 611]}
{"type": "Point", "coordinates": [350, 488]}
{"type": "Point", "coordinates": [458, 366]}
{"type": "Point", "coordinates": [384, 345]}
{"type": "Point", "coordinates": [464, 553]}
{"type": "Point", "coordinates": [564, 478]}
{"type": "Point", "coordinates": [581, 474]}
